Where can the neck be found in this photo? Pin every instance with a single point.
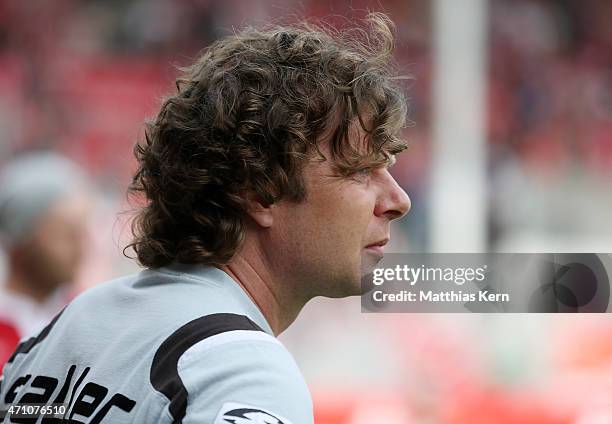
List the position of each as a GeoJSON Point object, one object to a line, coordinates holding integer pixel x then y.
{"type": "Point", "coordinates": [249, 269]}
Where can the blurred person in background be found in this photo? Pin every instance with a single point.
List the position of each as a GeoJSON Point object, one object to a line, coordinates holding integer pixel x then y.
{"type": "Point", "coordinates": [43, 213]}
{"type": "Point", "coordinates": [267, 184]}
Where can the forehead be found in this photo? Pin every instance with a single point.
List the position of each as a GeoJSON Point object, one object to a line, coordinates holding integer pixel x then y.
{"type": "Point", "coordinates": [356, 139]}
{"type": "Point", "coordinates": [322, 166]}
{"type": "Point", "coordinates": [352, 151]}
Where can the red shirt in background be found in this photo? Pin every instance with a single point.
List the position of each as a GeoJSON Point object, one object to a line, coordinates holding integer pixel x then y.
{"type": "Point", "coordinates": [9, 338]}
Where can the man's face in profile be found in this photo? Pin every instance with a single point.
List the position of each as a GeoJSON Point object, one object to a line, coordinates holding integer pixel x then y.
{"type": "Point", "coordinates": [337, 234]}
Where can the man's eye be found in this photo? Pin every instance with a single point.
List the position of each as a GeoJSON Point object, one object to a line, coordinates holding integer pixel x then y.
{"type": "Point", "coordinates": [362, 174]}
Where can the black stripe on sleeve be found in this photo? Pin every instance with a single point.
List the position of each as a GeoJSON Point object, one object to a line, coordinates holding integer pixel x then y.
{"type": "Point", "coordinates": [29, 344]}
{"type": "Point", "coordinates": [164, 370]}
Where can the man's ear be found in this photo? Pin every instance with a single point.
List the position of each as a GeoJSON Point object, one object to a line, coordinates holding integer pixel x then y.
{"type": "Point", "coordinates": [261, 214]}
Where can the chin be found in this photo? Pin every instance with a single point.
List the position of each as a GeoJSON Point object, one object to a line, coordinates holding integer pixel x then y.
{"type": "Point", "coordinates": [343, 286]}
{"type": "Point", "coordinates": [368, 263]}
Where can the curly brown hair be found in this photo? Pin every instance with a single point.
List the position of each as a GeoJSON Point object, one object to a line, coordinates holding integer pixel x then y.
{"type": "Point", "coordinates": [245, 118]}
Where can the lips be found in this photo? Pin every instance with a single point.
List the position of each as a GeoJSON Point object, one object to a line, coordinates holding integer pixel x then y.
{"type": "Point", "coordinates": [379, 243]}
{"type": "Point", "coordinates": [378, 247]}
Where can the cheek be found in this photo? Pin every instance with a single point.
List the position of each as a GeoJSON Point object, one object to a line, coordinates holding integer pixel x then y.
{"type": "Point", "coordinates": [356, 203]}
{"type": "Point", "coordinates": [348, 216]}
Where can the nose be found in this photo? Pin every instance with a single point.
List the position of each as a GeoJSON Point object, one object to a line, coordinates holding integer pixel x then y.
{"type": "Point", "coordinates": [393, 203]}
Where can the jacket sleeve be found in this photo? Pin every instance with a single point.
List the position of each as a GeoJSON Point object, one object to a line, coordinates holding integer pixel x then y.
{"type": "Point", "coordinates": [242, 377]}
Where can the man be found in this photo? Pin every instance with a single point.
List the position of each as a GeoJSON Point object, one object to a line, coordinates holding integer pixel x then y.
{"type": "Point", "coordinates": [266, 184]}
{"type": "Point", "coordinates": [43, 212]}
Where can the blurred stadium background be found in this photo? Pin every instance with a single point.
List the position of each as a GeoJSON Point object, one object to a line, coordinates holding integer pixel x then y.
{"type": "Point", "coordinates": [530, 173]}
